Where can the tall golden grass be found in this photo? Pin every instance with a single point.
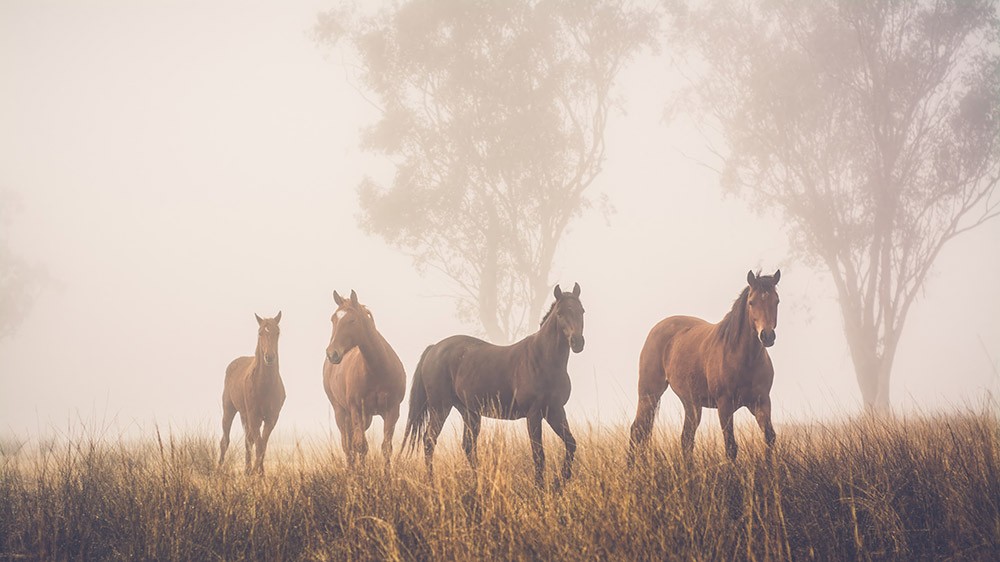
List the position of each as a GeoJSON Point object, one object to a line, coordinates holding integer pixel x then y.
{"type": "Point", "coordinates": [926, 488]}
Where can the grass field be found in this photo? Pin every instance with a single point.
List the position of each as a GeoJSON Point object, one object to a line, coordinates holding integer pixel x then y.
{"type": "Point", "coordinates": [925, 488]}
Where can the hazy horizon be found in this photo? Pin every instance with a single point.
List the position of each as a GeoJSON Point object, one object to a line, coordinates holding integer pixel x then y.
{"type": "Point", "coordinates": [181, 167]}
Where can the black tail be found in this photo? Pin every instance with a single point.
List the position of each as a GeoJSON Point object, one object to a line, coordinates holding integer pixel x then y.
{"type": "Point", "coordinates": [416, 420]}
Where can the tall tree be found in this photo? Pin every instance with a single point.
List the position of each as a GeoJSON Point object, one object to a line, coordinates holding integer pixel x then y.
{"type": "Point", "coordinates": [494, 115]}
{"type": "Point", "coordinates": [872, 126]}
{"type": "Point", "coordinates": [20, 280]}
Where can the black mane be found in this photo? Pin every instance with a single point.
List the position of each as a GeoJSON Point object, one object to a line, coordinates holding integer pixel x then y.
{"type": "Point", "coordinates": [549, 313]}
{"type": "Point", "coordinates": [735, 321]}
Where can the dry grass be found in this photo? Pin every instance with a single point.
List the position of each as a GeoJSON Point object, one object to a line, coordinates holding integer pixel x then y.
{"type": "Point", "coordinates": [917, 489]}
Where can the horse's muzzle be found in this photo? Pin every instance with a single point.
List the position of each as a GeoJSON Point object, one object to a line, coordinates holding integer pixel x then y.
{"type": "Point", "coordinates": [767, 337]}
{"type": "Point", "coordinates": [576, 343]}
{"type": "Point", "coordinates": [268, 359]}
{"type": "Point", "coordinates": [334, 357]}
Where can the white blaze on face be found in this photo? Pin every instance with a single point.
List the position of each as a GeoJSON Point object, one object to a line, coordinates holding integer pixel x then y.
{"type": "Point", "coordinates": [341, 314]}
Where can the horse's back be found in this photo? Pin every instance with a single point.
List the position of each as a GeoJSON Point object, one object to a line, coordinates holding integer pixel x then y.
{"type": "Point", "coordinates": [472, 371]}
{"type": "Point", "coordinates": [670, 351]}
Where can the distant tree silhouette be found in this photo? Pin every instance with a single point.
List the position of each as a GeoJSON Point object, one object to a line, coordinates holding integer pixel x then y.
{"type": "Point", "coordinates": [493, 114]}
{"type": "Point", "coordinates": [20, 280]}
{"type": "Point", "coordinates": [873, 127]}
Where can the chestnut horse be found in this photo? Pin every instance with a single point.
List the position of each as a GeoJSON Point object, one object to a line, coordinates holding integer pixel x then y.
{"type": "Point", "coordinates": [254, 389]}
{"type": "Point", "coordinates": [525, 380]}
{"type": "Point", "coordinates": [363, 377]}
{"type": "Point", "coordinates": [723, 366]}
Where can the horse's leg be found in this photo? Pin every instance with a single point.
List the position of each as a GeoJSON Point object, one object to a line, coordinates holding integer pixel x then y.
{"type": "Point", "coordinates": [470, 435]}
{"type": "Point", "coordinates": [389, 420]}
{"type": "Point", "coordinates": [645, 414]}
{"type": "Point", "coordinates": [228, 415]}
{"type": "Point", "coordinates": [269, 424]}
{"type": "Point", "coordinates": [537, 453]}
{"type": "Point", "coordinates": [435, 422]}
{"type": "Point", "coordinates": [692, 419]}
{"type": "Point", "coordinates": [251, 431]}
{"type": "Point", "coordinates": [726, 410]}
{"type": "Point", "coordinates": [762, 411]}
{"type": "Point", "coordinates": [358, 442]}
{"type": "Point", "coordinates": [343, 418]}
{"type": "Point", "coordinates": [558, 422]}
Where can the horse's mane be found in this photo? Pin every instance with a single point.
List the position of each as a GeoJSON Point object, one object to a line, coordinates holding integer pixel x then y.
{"type": "Point", "coordinates": [735, 321]}
{"type": "Point", "coordinates": [549, 313]}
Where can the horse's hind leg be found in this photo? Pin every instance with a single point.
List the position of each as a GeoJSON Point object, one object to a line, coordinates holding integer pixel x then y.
{"type": "Point", "coordinates": [645, 415]}
{"type": "Point", "coordinates": [228, 415]}
{"type": "Point", "coordinates": [558, 422]}
{"type": "Point", "coordinates": [435, 422]}
{"type": "Point", "coordinates": [692, 418]}
{"type": "Point", "coordinates": [472, 421]}
{"type": "Point", "coordinates": [389, 420]}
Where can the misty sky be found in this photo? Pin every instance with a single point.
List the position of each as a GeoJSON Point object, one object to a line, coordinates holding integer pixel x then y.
{"type": "Point", "coordinates": [181, 166]}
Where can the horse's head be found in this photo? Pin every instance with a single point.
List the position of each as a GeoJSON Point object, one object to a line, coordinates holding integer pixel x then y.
{"type": "Point", "coordinates": [568, 313]}
{"type": "Point", "coordinates": [267, 338]}
{"type": "Point", "coordinates": [762, 305]}
{"type": "Point", "coordinates": [350, 322]}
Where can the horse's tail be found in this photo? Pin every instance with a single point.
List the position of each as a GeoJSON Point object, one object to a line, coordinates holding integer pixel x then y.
{"type": "Point", "coordinates": [416, 420]}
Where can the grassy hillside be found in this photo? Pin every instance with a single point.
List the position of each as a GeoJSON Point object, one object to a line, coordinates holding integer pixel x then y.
{"type": "Point", "coordinates": [927, 488]}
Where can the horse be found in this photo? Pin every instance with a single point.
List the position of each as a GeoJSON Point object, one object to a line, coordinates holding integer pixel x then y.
{"type": "Point", "coordinates": [525, 380]}
{"type": "Point", "coordinates": [723, 366]}
{"type": "Point", "coordinates": [253, 388]}
{"type": "Point", "coordinates": [362, 377]}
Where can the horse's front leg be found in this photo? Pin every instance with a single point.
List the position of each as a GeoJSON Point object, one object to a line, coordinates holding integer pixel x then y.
{"type": "Point", "coordinates": [389, 420]}
{"type": "Point", "coordinates": [359, 422]}
{"type": "Point", "coordinates": [269, 424]}
{"type": "Point", "coordinates": [251, 435]}
{"type": "Point", "coordinates": [558, 422]}
{"type": "Point", "coordinates": [726, 408]}
{"type": "Point", "coordinates": [537, 454]}
{"type": "Point", "coordinates": [762, 411]}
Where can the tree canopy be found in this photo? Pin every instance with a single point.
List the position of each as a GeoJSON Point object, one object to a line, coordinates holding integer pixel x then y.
{"type": "Point", "coordinates": [493, 114]}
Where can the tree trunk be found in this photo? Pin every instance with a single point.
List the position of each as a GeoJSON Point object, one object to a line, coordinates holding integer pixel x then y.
{"type": "Point", "coordinates": [872, 369]}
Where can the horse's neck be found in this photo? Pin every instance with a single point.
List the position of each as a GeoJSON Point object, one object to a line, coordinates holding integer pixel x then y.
{"type": "Point", "coordinates": [746, 346]}
{"type": "Point", "coordinates": [549, 345]}
{"type": "Point", "coordinates": [375, 351]}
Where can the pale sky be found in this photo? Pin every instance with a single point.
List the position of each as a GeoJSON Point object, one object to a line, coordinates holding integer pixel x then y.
{"type": "Point", "coordinates": [181, 166]}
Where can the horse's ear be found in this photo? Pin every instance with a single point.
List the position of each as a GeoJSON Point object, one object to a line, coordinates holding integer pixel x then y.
{"type": "Point", "coordinates": [337, 298]}
{"type": "Point", "coordinates": [751, 279]}
{"type": "Point", "coordinates": [354, 298]}
{"type": "Point", "coordinates": [777, 276]}
{"type": "Point", "coordinates": [557, 292]}
{"type": "Point", "coordinates": [576, 290]}
{"type": "Point", "coordinates": [260, 321]}
{"type": "Point", "coordinates": [278, 317]}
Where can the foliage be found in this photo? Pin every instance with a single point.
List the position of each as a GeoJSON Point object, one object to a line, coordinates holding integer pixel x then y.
{"type": "Point", "coordinates": [493, 114]}
{"type": "Point", "coordinates": [873, 127]}
{"type": "Point", "coordinates": [925, 488]}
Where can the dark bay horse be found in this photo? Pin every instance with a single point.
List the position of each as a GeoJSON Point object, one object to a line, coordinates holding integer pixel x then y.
{"type": "Point", "coordinates": [525, 380]}
{"type": "Point", "coordinates": [723, 366]}
{"type": "Point", "coordinates": [254, 389]}
{"type": "Point", "coordinates": [363, 377]}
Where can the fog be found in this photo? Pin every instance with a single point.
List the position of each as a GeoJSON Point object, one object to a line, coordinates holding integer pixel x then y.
{"type": "Point", "coordinates": [180, 167]}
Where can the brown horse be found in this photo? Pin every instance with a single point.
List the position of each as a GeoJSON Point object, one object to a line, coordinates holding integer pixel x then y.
{"type": "Point", "coordinates": [525, 380]}
{"type": "Point", "coordinates": [254, 389]}
{"type": "Point", "coordinates": [724, 366]}
{"type": "Point", "coordinates": [363, 377]}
